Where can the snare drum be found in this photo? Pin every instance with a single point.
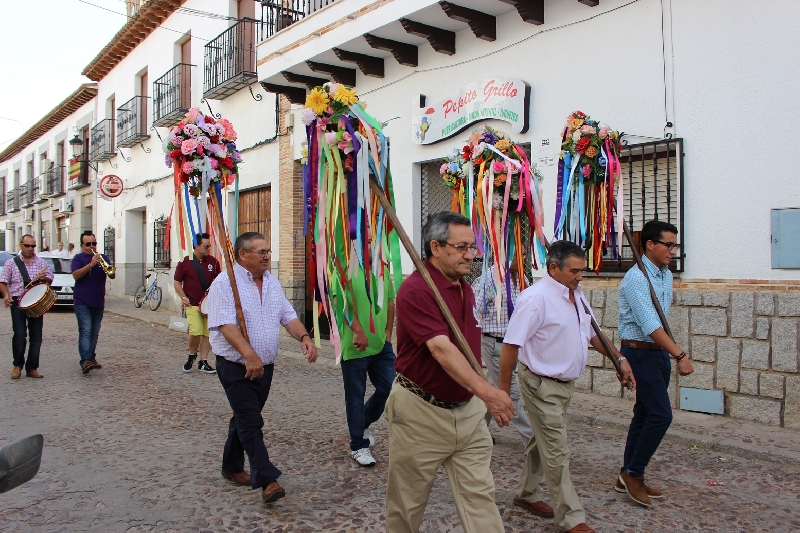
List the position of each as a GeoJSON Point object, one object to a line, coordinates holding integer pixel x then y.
{"type": "Point", "coordinates": [204, 303]}
{"type": "Point", "coordinates": [37, 300]}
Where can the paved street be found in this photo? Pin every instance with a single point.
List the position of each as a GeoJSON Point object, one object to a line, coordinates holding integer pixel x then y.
{"type": "Point", "coordinates": [136, 447]}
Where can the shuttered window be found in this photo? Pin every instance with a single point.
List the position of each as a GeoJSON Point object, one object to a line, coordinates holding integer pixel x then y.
{"type": "Point", "coordinates": [161, 255]}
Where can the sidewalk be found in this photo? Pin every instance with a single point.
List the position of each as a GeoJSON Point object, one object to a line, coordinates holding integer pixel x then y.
{"type": "Point", "coordinates": [710, 432]}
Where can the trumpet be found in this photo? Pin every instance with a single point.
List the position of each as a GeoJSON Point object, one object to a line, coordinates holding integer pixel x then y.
{"type": "Point", "coordinates": [110, 270]}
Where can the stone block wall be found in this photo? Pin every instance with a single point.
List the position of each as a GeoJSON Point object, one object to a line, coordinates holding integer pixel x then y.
{"type": "Point", "coordinates": [744, 343]}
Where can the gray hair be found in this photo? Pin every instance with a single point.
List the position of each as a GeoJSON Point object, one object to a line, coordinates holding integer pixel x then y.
{"type": "Point", "coordinates": [438, 227]}
{"type": "Point", "coordinates": [245, 242]}
{"type": "Point", "coordinates": [560, 251]}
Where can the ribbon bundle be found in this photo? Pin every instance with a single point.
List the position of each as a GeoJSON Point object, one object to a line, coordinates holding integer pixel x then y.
{"type": "Point", "coordinates": [588, 187]}
{"type": "Point", "coordinates": [348, 227]}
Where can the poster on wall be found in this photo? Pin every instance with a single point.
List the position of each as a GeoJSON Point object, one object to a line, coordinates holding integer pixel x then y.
{"type": "Point", "coordinates": [506, 99]}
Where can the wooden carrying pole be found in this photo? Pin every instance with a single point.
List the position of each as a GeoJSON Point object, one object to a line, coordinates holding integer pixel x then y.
{"type": "Point", "coordinates": [223, 238]}
{"type": "Point", "coordinates": [461, 341]}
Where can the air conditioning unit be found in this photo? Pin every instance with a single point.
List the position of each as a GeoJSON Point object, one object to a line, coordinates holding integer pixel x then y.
{"type": "Point", "coordinates": [9, 224]}
{"type": "Point", "coordinates": [45, 166]}
{"type": "Point", "coordinates": [65, 205]}
{"type": "Point", "coordinates": [44, 191]}
{"type": "Point", "coordinates": [28, 214]}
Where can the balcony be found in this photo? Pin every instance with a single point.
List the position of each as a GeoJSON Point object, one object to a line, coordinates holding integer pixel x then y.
{"type": "Point", "coordinates": [172, 95]}
{"type": "Point", "coordinates": [12, 201]}
{"type": "Point", "coordinates": [2, 199]}
{"type": "Point", "coordinates": [25, 195]}
{"type": "Point", "coordinates": [280, 14]}
{"type": "Point", "coordinates": [132, 122]}
{"type": "Point", "coordinates": [230, 60]}
{"type": "Point", "coordinates": [78, 174]}
{"type": "Point", "coordinates": [101, 141]}
{"type": "Point", "coordinates": [37, 193]}
{"type": "Point", "coordinates": [55, 182]}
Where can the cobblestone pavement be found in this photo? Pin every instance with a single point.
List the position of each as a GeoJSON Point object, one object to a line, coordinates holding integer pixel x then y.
{"type": "Point", "coordinates": [136, 446]}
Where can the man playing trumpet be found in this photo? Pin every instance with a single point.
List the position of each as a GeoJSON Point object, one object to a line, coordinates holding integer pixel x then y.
{"type": "Point", "coordinates": [90, 270]}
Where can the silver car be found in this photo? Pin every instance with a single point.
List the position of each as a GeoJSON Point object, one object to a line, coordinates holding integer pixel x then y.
{"type": "Point", "coordinates": [63, 282]}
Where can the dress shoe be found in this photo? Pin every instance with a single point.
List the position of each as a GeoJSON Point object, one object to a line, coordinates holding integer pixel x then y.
{"type": "Point", "coordinates": [653, 493]}
{"type": "Point", "coordinates": [96, 364]}
{"type": "Point", "coordinates": [635, 488]}
{"type": "Point", "coordinates": [538, 508]}
{"type": "Point", "coordinates": [581, 528]}
{"type": "Point", "coordinates": [241, 478]}
{"type": "Point", "coordinates": [16, 373]}
{"type": "Point", "coordinates": [34, 374]}
{"type": "Point", "coordinates": [272, 492]}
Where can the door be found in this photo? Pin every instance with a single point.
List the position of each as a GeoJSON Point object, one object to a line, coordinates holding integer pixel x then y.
{"type": "Point", "coordinates": [255, 212]}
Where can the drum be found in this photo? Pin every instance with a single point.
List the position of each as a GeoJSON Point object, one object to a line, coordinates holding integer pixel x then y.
{"type": "Point", "coordinates": [204, 305]}
{"type": "Point", "coordinates": [37, 300]}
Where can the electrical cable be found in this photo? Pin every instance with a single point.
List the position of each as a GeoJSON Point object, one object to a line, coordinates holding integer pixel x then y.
{"type": "Point", "coordinates": [126, 16]}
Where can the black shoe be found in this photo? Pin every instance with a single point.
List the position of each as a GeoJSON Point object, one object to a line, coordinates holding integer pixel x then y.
{"type": "Point", "coordinates": [203, 366]}
{"type": "Point", "coordinates": [189, 362]}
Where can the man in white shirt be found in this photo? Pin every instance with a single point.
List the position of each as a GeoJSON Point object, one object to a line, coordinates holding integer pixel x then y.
{"type": "Point", "coordinates": [549, 333]}
{"type": "Point", "coordinates": [60, 251]}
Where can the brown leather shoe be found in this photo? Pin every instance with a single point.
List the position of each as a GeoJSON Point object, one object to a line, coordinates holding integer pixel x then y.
{"type": "Point", "coordinates": [635, 488]}
{"type": "Point", "coordinates": [96, 364]}
{"type": "Point", "coordinates": [241, 478]}
{"type": "Point", "coordinates": [272, 492]}
{"type": "Point", "coordinates": [34, 374]}
{"type": "Point", "coordinates": [16, 373]}
{"type": "Point", "coordinates": [653, 493]}
{"type": "Point", "coordinates": [538, 508]}
{"type": "Point", "coordinates": [581, 528]}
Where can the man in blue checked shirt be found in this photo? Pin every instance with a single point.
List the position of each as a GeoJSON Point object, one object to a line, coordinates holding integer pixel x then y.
{"type": "Point", "coordinates": [648, 349]}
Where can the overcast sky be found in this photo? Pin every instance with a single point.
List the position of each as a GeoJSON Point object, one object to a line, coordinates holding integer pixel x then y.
{"type": "Point", "coordinates": [46, 45]}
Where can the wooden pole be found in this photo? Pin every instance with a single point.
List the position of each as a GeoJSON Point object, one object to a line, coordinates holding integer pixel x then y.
{"type": "Point", "coordinates": [461, 341]}
{"type": "Point", "coordinates": [223, 236]}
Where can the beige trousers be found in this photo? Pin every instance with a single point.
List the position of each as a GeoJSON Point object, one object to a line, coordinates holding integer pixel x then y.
{"type": "Point", "coordinates": [421, 438]}
{"type": "Point", "coordinates": [547, 453]}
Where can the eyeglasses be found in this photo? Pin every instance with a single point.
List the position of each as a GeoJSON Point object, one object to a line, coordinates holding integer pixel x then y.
{"type": "Point", "coordinates": [461, 248]}
{"type": "Point", "coordinates": [671, 245]}
{"type": "Point", "coordinates": [93, 243]}
{"type": "Point", "coordinates": [261, 253]}
{"type": "Point", "coordinates": [28, 245]}
{"type": "Point", "coordinates": [206, 246]}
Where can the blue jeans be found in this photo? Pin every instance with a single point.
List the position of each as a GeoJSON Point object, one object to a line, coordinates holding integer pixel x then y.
{"type": "Point", "coordinates": [89, 320]}
{"type": "Point", "coordinates": [652, 413]}
{"type": "Point", "coordinates": [21, 325]}
{"type": "Point", "coordinates": [380, 368]}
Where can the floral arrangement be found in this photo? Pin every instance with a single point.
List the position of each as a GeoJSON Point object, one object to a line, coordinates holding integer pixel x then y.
{"type": "Point", "coordinates": [589, 187]}
{"type": "Point", "coordinates": [204, 150]}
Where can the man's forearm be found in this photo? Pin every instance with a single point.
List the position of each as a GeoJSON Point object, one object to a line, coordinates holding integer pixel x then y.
{"type": "Point", "coordinates": [660, 337]}
{"type": "Point", "coordinates": [3, 290]}
{"type": "Point", "coordinates": [508, 360]}
{"type": "Point", "coordinates": [234, 336]}
{"type": "Point", "coordinates": [78, 274]}
{"type": "Point", "coordinates": [296, 329]}
{"type": "Point", "coordinates": [179, 289]}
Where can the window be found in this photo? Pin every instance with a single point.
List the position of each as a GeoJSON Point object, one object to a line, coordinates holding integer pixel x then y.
{"type": "Point", "coordinates": [109, 235]}
{"type": "Point", "coordinates": [161, 257]}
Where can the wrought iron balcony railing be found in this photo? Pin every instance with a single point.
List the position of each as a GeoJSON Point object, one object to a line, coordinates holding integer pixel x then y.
{"type": "Point", "coordinates": [277, 15]}
{"type": "Point", "coordinates": [172, 95]}
{"type": "Point", "coordinates": [55, 182]}
{"type": "Point", "coordinates": [78, 174]}
{"type": "Point", "coordinates": [25, 195]}
{"type": "Point", "coordinates": [230, 60]}
{"type": "Point", "coordinates": [12, 202]}
{"type": "Point", "coordinates": [101, 141]}
{"type": "Point", "coordinates": [2, 199]}
{"type": "Point", "coordinates": [132, 122]}
{"type": "Point", "coordinates": [36, 191]}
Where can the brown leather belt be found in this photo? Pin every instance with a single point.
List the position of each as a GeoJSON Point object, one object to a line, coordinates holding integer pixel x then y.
{"type": "Point", "coordinates": [640, 345]}
{"type": "Point", "coordinates": [551, 379]}
{"type": "Point", "coordinates": [425, 395]}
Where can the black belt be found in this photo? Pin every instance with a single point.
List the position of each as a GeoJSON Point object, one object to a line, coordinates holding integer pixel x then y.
{"type": "Point", "coordinates": [641, 345]}
{"type": "Point", "coordinates": [425, 395]}
{"type": "Point", "coordinates": [498, 339]}
{"type": "Point", "coordinates": [551, 379]}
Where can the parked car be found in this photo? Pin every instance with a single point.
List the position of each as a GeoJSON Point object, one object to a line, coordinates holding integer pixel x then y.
{"type": "Point", "coordinates": [5, 256]}
{"type": "Point", "coordinates": [63, 282]}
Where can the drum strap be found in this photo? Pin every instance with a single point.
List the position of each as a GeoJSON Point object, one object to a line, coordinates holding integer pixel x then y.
{"type": "Point", "coordinates": [200, 274]}
{"type": "Point", "coordinates": [23, 271]}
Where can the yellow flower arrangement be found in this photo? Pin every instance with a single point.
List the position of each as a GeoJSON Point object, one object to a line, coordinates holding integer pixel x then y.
{"type": "Point", "coordinates": [345, 96]}
{"type": "Point", "coordinates": [503, 145]}
{"type": "Point", "coordinates": [317, 100]}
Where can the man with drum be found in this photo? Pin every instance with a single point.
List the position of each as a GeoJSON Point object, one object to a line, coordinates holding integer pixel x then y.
{"type": "Point", "coordinates": [193, 277]}
{"type": "Point", "coordinates": [19, 273]}
{"type": "Point", "coordinates": [89, 297]}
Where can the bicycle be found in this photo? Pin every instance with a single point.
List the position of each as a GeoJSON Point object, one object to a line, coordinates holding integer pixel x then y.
{"type": "Point", "coordinates": [151, 293]}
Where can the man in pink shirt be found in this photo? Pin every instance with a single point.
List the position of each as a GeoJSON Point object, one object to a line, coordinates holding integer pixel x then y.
{"type": "Point", "coordinates": [550, 332]}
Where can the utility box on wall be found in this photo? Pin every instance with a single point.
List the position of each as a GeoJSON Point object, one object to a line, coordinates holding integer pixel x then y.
{"type": "Point", "coordinates": [785, 237]}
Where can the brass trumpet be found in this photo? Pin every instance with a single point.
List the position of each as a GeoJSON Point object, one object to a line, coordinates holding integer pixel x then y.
{"type": "Point", "coordinates": [110, 270]}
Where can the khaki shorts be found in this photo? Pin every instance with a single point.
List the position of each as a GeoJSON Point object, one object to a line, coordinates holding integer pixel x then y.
{"type": "Point", "coordinates": [198, 324]}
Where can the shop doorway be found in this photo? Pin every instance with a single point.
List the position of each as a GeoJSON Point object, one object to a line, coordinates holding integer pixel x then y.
{"type": "Point", "coordinates": [255, 212]}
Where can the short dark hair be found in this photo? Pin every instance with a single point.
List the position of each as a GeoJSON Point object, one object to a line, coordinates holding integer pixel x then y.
{"type": "Point", "coordinates": [243, 242]}
{"type": "Point", "coordinates": [86, 233]}
{"type": "Point", "coordinates": [438, 227]}
{"type": "Point", "coordinates": [652, 231]}
{"type": "Point", "coordinates": [200, 236]}
{"type": "Point", "coordinates": [26, 235]}
{"type": "Point", "coordinates": [560, 251]}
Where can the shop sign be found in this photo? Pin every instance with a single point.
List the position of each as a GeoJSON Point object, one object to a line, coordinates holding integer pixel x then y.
{"type": "Point", "coordinates": [506, 99]}
{"type": "Point", "coordinates": [111, 186]}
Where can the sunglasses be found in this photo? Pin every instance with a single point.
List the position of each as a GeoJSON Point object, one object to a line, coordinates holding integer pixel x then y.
{"type": "Point", "coordinates": [93, 243]}
{"type": "Point", "coordinates": [29, 245]}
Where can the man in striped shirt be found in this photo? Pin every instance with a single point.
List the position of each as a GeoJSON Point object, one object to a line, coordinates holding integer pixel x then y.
{"type": "Point", "coordinates": [245, 366]}
{"type": "Point", "coordinates": [648, 348]}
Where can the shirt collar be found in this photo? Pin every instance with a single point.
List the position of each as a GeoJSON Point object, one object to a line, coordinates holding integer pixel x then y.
{"type": "Point", "coordinates": [240, 270]}
{"type": "Point", "coordinates": [561, 289]}
{"type": "Point", "coordinates": [652, 269]}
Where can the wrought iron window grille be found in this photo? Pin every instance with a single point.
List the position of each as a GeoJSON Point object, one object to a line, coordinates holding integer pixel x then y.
{"type": "Point", "coordinates": [12, 201]}
{"type": "Point", "coordinates": [101, 141]}
{"type": "Point", "coordinates": [161, 255]}
{"type": "Point", "coordinates": [55, 181]}
{"type": "Point", "coordinates": [109, 239]}
{"type": "Point", "coordinates": [230, 60]}
{"type": "Point", "coordinates": [172, 95]}
{"type": "Point", "coordinates": [277, 15]}
{"type": "Point", "coordinates": [132, 122]}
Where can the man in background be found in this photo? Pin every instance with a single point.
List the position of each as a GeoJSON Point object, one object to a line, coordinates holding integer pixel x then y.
{"type": "Point", "coordinates": [60, 251]}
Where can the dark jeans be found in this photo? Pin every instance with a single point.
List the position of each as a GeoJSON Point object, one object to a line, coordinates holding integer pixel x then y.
{"type": "Point", "coordinates": [247, 399]}
{"type": "Point", "coordinates": [89, 321]}
{"type": "Point", "coordinates": [23, 325]}
{"type": "Point", "coordinates": [652, 413]}
{"type": "Point", "coordinates": [380, 368]}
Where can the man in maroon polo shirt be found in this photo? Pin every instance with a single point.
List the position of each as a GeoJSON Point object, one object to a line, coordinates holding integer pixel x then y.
{"type": "Point", "coordinates": [437, 404]}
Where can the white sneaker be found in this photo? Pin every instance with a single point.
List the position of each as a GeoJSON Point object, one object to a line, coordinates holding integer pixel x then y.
{"type": "Point", "coordinates": [363, 457]}
{"type": "Point", "coordinates": [368, 435]}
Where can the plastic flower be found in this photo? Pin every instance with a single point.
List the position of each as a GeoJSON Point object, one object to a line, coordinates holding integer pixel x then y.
{"type": "Point", "coordinates": [188, 146]}
{"type": "Point", "coordinates": [498, 167]}
{"type": "Point", "coordinates": [453, 167]}
{"type": "Point", "coordinates": [192, 114]}
{"type": "Point", "coordinates": [588, 130]}
{"type": "Point", "coordinates": [591, 151]}
{"type": "Point", "coordinates": [576, 136]}
{"type": "Point", "coordinates": [307, 117]}
{"type": "Point", "coordinates": [503, 145]}
{"type": "Point", "coordinates": [345, 96]}
{"type": "Point", "coordinates": [582, 145]}
{"type": "Point", "coordinates": [204, 141]}
{"type": "Point", "coordinates": [348, 162]}
{"type": "Point", "coordinates": [317, 101]}
{"type": "Point", "coordinates": [497, 201]}
{"type": "Point", "coordinates": [187, 167]}
{"type": "Point", "coordinates": [346, 144]}
{"type": "Point", "coordinates": [575, 123]}
{"type": "Point", "coordinates": [443, 169]}
{"type": "Point", "coordinates": [602, 161]}
{"type": "Point", "coordinates": [604, 131]}
{"type": "Point", "coordinates": [190, 130]}
{"type": "Point", "coordinates": [332, 88]}
{"type": "Point", "coordinates": [587, 171]}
